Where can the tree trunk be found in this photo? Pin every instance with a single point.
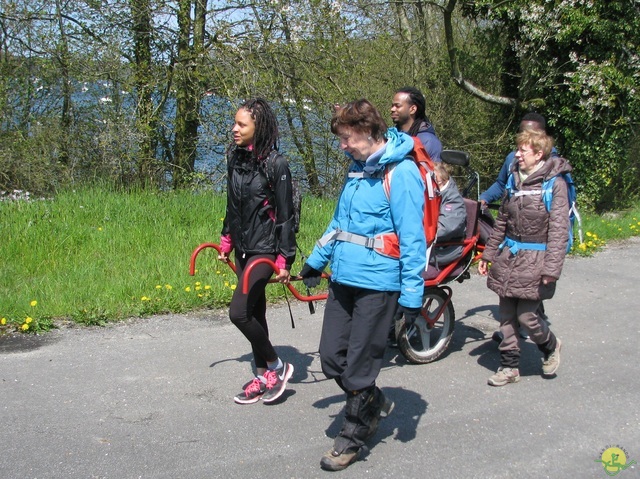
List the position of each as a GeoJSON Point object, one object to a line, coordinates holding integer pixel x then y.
{"type": "Point", "coordinates": [66, 120]}
{"type": "Point", "coordinates": [145, 115]}
{"type": "Point", "coordinates": [188, 91]}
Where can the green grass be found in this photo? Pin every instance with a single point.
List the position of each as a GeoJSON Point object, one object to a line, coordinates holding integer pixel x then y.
{"type": "Point", "coordinates": [599, 230]}
{"type": "Point", "coordinates": [94, 255]}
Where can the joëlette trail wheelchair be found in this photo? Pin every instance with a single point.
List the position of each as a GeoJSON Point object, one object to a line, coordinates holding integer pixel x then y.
{"type": "Point", "coordinates": [428, 338]}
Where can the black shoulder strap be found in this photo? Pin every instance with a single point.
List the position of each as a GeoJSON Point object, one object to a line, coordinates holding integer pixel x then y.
{"type": "Point", "coordinates": [270, 167]}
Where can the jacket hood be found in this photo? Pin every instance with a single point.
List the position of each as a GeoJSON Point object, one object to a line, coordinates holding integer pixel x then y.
{"type": "Point", "coordinates": [397, 148]}
{"type": "Point", "coordinates": [426, 127]}
{"type": "Point", "coordinates": [557, 166]}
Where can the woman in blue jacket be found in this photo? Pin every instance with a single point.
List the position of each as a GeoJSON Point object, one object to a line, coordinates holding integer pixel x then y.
{"type": "Point", "coordinates": [377, 248]}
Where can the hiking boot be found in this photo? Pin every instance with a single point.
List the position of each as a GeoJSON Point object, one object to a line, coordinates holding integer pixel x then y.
{"type": "Point", "coordinates": [335, 461]}
{"type": "Point", "coordinates": [251, 392]}
{"type": "Point", "coordinates": [276, 382]}
{"type": "Point", "coordinates": [504, 376]}
{"type": "Point", "coordinates": [552, 361]}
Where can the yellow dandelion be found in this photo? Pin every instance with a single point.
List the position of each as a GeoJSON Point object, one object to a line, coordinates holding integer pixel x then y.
{"type": "Point", "coordinates": [218, 272]}
{"type": "Point", "coordinates": [168, 286]}
{"type": "Point", "coordinates": [198, 283]}
{"type": "Point", "coordinates": [158, 286]}
{"type": "Point", "coordinates": [100, 228]}
{"type": "Point", "coordinates": [233, 287]}
{"type": "Point", "coordinates": [25, 326]}
{"type": "Point", "coordinates": [3, 321]}
{"type": "Point", "coordinates": [226, 283]}
{"type": "Point", "coordinates": [28, 319]}
{"type": "Point", "coordinates": [582, 246]}
{"type": "Point", "coordinates": [589, 233]}
{"type": "Point", "coordinates": [145, 298]}
{"type": "Point", "coordinates": [187, 289]}
{"type": "Point", "coordinates": [207, 287]}
{"type": "Point", "coordinates": [33, 303]}
{"type": "Point", "coordinates": [200, 295]}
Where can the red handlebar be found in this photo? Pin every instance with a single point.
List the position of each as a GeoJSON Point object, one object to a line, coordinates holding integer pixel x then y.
{"type": "Point", "coordinates": [196, 252]}
{"type": "Point", "coordinates": [294, 291]}
{"type": "Point", "coordinates": [247, 274]}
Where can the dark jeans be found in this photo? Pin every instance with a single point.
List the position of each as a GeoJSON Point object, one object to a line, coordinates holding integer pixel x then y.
{"type": "Point", "coordinates": [249, 311]}
{"type": "Point", "coordinates": [354, 334]}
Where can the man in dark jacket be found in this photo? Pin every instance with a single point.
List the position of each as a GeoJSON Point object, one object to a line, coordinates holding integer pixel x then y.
{"type": "Point", "coordinates": [408, 115]}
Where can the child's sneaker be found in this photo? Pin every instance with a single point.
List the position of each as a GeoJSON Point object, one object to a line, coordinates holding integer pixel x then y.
{"type": "Point", "coordinates": [552, 362]}
{"type": "Point", "coordinates": [504, 376]}
{"type": "Point", "coordinates": [276, 382]}
{"type": "Point", "coordinates": [251, 392]}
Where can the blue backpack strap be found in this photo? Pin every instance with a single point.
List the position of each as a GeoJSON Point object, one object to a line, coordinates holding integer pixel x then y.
{"type": "Point", "coordinates": [547, 192]}
{"type": "Point", "coordinates": [510, 186]}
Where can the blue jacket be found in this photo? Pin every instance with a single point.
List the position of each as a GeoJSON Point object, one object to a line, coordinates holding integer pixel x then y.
{"type": "Point", "coordinates": [363, 209]}
{"type": "Point", "coordinates": [494, 192]}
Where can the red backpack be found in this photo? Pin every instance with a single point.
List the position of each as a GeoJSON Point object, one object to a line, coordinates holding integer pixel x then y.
{"type": "Point", "coordinates": [432, 198]}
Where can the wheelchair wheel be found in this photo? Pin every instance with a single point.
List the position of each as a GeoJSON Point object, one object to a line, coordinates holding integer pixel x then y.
{"type": "Point", "coordinates": [422, 343]}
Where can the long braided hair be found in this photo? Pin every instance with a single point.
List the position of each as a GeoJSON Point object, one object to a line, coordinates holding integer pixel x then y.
{"type": "Point", "coordinates": [416, 98]}
{"type": "Point", "coordinates": [266, 134]}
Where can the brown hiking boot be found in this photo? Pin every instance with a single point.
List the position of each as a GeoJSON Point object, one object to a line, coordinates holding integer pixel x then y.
{"type": "Point", "coordinates": [335, 461]}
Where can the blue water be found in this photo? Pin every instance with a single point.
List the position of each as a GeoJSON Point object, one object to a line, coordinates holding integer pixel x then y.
{"type": "Point", "coordinates": [101, 101]}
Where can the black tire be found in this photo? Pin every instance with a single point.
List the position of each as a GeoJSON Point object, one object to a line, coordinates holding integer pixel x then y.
{"type": "Point", "coordinates": [422, 344]}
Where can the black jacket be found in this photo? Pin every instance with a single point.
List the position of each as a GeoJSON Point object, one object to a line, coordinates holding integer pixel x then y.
{"type": "Point", "coordinates": [260, 211]}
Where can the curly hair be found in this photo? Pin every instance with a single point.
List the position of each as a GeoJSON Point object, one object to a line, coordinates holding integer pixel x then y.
{"type": "Point", "coordinates": [266, 134]}
{"type": "Point", "coordinates": [360, 116]}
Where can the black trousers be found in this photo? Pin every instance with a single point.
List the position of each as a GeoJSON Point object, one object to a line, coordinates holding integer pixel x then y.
{"type": "Point", "coordinates": [354, 334]}
{"type": "Point", "coordinates": [249, 311]}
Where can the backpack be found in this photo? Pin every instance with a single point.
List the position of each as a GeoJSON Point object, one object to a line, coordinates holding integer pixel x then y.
{"type": "Point", "coordinates": [547, 197]}
{"type": "Point", "coordinates": [431, 195]}
{"type": "Point", "coordinates": [295, 184]}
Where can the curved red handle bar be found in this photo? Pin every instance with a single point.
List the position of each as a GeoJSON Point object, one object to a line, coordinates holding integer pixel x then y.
{"type": "Point", "coordinates": [245, 282]}
{"type": "Point", "coordinates": [196, 252]}
{"type": "Point", "coordinates": [294, 291]}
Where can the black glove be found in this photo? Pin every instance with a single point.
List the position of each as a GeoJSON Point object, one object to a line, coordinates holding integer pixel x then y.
{"type": "Point", "coordinates": [410, 314]}
{"type": "Point", "coordinates": [310, 276]}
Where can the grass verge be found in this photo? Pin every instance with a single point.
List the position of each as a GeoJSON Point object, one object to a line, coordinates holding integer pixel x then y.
{"type": "Point", "coordinates": [94, 255]}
